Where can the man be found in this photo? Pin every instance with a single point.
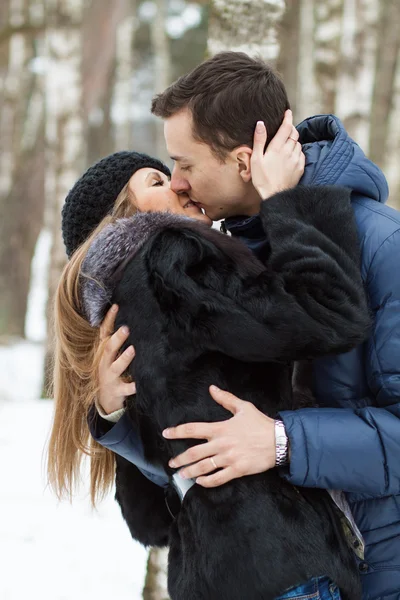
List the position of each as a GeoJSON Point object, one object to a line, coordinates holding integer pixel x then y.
{"type": "Point", "coordinates": [352, 441]}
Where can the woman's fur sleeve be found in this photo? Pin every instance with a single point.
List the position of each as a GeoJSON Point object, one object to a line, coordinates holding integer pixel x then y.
{"type": "Point", "coordinates": [307, 301]}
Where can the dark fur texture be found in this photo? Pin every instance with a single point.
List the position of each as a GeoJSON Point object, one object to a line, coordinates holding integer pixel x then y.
{"type": "Point", "coordinates": [202, 310]}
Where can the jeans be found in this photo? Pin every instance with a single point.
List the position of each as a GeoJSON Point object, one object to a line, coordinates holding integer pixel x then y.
{"type": "Point", "coordinates": [318, 588]}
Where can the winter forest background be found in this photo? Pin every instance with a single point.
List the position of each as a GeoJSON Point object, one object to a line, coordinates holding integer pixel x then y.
{"type": "Point", "coordinates": [76, 81]}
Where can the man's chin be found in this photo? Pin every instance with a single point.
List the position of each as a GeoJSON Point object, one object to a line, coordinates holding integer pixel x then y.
{"type": "Point", "coordinates": [217, 213]}
{"type": "Point", "coordinates": [212, 215]}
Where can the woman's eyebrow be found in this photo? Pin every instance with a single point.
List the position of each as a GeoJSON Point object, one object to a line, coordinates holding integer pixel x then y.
{"type": "Point", "coordinates": [179, 158]}
{"type": "Point", "coordinates": [152, 175]}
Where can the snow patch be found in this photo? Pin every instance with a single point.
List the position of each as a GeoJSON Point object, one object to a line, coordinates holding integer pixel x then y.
{"type": "Point", "coordinates": [53, 551]}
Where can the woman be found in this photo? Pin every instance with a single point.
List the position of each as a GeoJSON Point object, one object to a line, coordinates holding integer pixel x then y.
{"type": "Point", "coordinates": [203, 310]}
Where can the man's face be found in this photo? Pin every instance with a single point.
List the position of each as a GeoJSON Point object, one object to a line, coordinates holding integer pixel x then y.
{"type": "Point", "coordinates": [217, 187]}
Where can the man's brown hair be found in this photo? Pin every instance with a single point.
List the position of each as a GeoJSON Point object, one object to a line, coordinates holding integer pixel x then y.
{"type": "Point", "coordinates": [227, 95]}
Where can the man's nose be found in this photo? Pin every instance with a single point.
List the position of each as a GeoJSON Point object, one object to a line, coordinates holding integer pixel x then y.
{"type": "Point", "coordinates": [178, 183]}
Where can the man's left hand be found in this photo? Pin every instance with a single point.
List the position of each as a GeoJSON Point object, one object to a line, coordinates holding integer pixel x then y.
{"type": "Point", "coordinates": [241, 445]}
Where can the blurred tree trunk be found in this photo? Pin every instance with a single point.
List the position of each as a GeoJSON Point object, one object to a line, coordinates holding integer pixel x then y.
{"type": "Point", "coordinates": [391, 166]}
{"type": "Point", "coordinates": [100, 25]}
{"type": "Point", "coordinates": [308, 96]}
{"type": "Point", "coordinates": [162, 67]}
{"type": "Point", "coordinates": [65, 137]}
{"type": "Point", "coordinates": [289, 47]}
{"type": "Point", "coordinates": [384, 86]}
{"type": "Point", "coordinates": [155, 587]}
{"type": "Point", "coordinates": [21, 157]}
{"type": "Point", "coordinates": [356, 71]}
{"type": "Point", "coordinates": [244, 26]}
{"type": "Point", "coordinates": [123, 98]}
{"type": "Point", "coordinates": [328, 16]}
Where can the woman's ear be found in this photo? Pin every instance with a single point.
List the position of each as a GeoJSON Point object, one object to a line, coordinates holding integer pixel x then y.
{"type": "Point", "coordinates": [243, 157]}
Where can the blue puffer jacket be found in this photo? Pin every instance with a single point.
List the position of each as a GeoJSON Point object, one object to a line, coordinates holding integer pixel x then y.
{"type": "Point", "coordinates": [352, 442]}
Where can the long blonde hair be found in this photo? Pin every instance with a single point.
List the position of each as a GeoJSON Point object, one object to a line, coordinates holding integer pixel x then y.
{"type": "Point", "coordinates": [77, 355]}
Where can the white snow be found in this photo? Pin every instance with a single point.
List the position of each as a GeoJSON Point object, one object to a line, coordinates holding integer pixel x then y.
{"type": "Point", "coordinates": [51, 550]}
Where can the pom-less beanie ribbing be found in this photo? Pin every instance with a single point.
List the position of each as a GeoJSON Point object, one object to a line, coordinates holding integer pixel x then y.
{"type": "Point", "coordinates": [93, 195]}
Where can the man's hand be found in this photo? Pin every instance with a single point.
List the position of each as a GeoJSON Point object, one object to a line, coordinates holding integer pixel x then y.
{"type": "Point", "coordinates": [282, 165]}
{"type": "Point", "coordinates": [114, 390]}
{"type": "Point", "coordinates": [242, 445]}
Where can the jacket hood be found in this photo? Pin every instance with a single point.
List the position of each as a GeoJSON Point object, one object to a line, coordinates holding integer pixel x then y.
{"type": "Point", "coordinates": [333, 158]}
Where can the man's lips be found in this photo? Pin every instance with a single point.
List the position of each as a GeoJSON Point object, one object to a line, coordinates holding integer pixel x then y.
{"type": "Point", "coordinates": [192, 203]}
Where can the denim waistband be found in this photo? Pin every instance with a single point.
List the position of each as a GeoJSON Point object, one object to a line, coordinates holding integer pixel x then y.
{"type": "Point", "coordinates": [318, 585]}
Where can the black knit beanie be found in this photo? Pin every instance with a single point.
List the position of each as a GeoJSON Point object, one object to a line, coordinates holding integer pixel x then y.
{"type": "Point", "coordinates": [94, 194]}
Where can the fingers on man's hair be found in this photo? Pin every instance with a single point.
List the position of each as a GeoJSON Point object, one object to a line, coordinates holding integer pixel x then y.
{"type": "Point", "coordinates": [294, 134]}
{"type": "Point", "coordinates": [260, 138]}
{"type": "Point", "coordinates": [282, 135]}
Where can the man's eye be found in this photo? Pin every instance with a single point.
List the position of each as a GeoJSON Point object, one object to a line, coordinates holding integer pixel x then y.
{"type": "Point", "coordinates": [185, 168]}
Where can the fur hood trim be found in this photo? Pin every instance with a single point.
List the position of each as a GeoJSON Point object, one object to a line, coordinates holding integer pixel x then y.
{"type": "Point", "coordinates": [109, 254]}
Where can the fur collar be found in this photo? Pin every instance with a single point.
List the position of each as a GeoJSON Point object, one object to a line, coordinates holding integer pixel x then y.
{"type": "Point", "coordinates": [109, 254]}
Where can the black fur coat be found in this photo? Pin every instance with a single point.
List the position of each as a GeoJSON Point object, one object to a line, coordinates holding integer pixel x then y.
{"type": "Point", "coordinates": [203, 310]}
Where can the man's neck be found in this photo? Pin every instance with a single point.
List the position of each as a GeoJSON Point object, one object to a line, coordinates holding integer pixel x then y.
{"type": "Point", "coordinates": [249, 207]}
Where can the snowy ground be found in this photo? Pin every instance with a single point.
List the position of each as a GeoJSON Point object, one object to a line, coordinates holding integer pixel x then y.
{"type": "Point", "coordinates": [52, 551]}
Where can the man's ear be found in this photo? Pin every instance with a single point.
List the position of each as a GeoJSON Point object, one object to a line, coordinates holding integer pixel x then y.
{"type": "Point", "coordinates": [243, 157]}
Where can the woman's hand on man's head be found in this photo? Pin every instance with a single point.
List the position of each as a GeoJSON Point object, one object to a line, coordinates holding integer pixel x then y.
{"type": "Point", "coordinates": [113, 390]}
{"type": "Point", "coordinates": [281, 165]}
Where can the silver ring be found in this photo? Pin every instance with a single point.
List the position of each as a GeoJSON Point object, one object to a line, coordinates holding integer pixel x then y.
{"type": "Point", "coordinates": [293, 140]}
{"type": "Point", "coordinates": [213, 462]}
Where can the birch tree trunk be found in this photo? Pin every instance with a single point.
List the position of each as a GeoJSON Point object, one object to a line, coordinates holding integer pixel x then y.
{"type": "Point", "coordinates": [327, 16]}
{"type": "Point", "coordinates": [244, 26]}
{"type": "Point", "coordinates": [387, 53]}
{"type": "Point", "coordinates": [289, 47]}
{"type": "Point", "coordinates": [356, 73]}
{"type": "Point", "coordinates": [21, 158]}
{"type": "Point", "coordinates": [155, 587]}
{"type": "Point", "coordinates": [100, 24]}
{"type": "Point", "coordinates": [307, 93]}
{"type": "Point", "coordinates": [162, 67]}
{"type": "Point", "coordinates": [391, 167]}
{"type": "Point", "coordinates": [123, 96]}
{"type": "Point", "coordinates": [64, 130]}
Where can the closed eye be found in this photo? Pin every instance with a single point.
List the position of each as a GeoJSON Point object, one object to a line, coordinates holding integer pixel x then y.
{"type": "Point", "coordinates": [156, 183]}
{"type": "Point", "coordinates": [185, 168]}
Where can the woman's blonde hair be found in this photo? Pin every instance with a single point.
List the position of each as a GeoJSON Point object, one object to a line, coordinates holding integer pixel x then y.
{"type": "Point", "coordinates": [78, 350]}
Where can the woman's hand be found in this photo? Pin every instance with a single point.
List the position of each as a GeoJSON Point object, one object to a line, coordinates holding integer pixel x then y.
{"type": "Point", "coordinates": [113, 390]}
{"type": "Point", "coordinates": [282, 165]}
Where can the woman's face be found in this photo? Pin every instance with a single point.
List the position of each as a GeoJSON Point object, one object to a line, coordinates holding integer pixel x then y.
{"type": "Point", "coordinates": [152, 193]}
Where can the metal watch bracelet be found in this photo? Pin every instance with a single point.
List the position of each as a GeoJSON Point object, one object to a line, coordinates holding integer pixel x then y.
{"type": "Point", "coordinates": [281, 444]}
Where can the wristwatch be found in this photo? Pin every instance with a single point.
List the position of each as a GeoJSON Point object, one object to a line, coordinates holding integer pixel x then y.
{"type": "Point", "coordinates": [281, 444]}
